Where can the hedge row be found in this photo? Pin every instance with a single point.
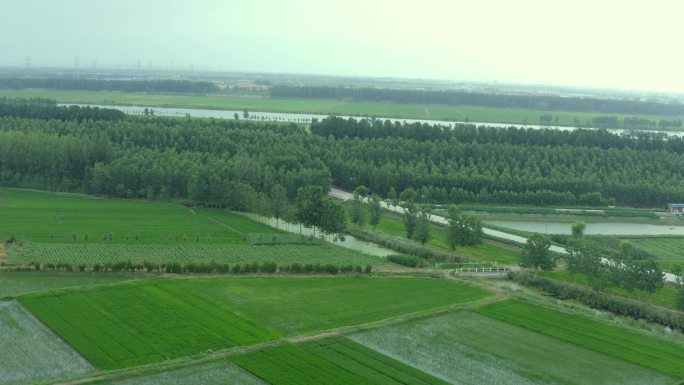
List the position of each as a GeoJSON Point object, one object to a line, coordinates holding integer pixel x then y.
{"type": "Point", "coordinates": [598, 300]}
{"type": "Point", "coordinates": [217, 268]}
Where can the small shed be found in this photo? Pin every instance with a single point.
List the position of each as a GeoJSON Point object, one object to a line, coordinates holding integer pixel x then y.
{"type": "Point", "coordinates": [677, 208]}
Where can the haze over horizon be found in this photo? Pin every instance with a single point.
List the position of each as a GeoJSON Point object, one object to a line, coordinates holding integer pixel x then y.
{"type": "Point", "coordinates": [610, 44]}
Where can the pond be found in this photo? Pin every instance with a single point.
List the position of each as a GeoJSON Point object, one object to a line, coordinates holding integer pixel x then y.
{"type": "Point", "coordinates": [598, 228]}
{"type": "Point", "coordinates": [349, 241]}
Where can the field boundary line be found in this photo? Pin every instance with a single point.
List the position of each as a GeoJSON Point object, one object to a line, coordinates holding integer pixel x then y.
{"type": "Point", "coordinates": [220, 354]}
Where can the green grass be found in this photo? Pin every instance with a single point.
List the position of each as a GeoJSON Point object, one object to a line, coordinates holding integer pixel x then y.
{"type": "Point", "coordinates": [30, 352]}
{"type": "Point", "coordinates": [319, 106]}
{"type": "Point", "coordinates": [664, 356]}
{"type": "Point", "coordinates": [135, 324]}
{"type": "Point", "coordinates": [215, 373]}
{"type": "Point", "coordinates": [307, 305]}
{"type": "Point", "coordinates": [468, 348]}
{"type": "Point", "coordinates": [16, 283]}
{"type": "Point", "coordinates": [91, 254]}
{"type": "Point", "coordinates": [53, 217]}
{"type": "Point", "coordinates": [332, 361]}
{"type": "Point", "coordinates": [143, 322]}
{"type": "Point", "coordinates": [488, 250]}
{"type": "Point", "coordinates": [668, 251]}
{"type": "Point", "coordinates": [665, 296]}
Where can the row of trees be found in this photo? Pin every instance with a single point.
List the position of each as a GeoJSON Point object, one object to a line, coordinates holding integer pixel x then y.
{"type": "Point", "coordinates": [455, 98]}
{"type": "Point", "coordinates": [468, 133]}
{"type": "Point", "coordinates": [626, 269]}
{"type": "Point", "coordinates": [235, 164]}
{"type": "Point", "coordinates": [84, 84]}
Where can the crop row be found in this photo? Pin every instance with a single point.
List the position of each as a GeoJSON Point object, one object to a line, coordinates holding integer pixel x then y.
{"type": "Point", "coordinates": [666, 357]}
{"type": "Point", "coordinates": [97, 254]}
{"type": "Point", "coordinates": [331, 361]}
{"type": "Point", "coordinates": [141, 324]}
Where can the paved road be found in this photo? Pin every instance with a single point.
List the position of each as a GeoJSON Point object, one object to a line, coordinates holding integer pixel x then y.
{"type": "Point", "coordinates": [346, 195]}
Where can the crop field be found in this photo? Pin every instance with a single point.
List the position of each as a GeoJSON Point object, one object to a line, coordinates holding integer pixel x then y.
{"type": "Point", "coordinates": [71, 218]}
{"type": "Point", "coordinates": [135, 324]}
{"type": "Point", "coordinates": [664, 356]}
{"type": "Point", "coordinates": [144, 322]}
{"type": "Point", "coordinates": [306, 305]}
{"type": "Point", "coordinates": [30, 352]}
{"type": "Point", "coordinates": [16, 283]}
{"type": "Point", "coordinates": [331, 361]}
{"type": "Point", "coordinates": [317, 106]}
{"type": "Point", "coordinates": [91, 254]}
{"type": "Point", "coordinates": [668, 251]}
{"type": "Point", "coordinates": [468, 348]}
{"type": "Point", "coordinates": [493, 251]}
{"type": "Point", "coordinates": [224, 373]}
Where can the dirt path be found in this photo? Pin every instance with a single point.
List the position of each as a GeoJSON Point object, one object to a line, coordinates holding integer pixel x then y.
{"type": "Point", "coordinates": [4, 256]}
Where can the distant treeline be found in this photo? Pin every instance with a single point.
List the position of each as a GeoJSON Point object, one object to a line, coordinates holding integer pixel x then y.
{"type": "Point", "coordinates": [253, 166]}
{"type": "Point", "coordinates": [457, 98]}
{"type": "Point", "coordinates": [48, 109]}
{"type": "Point", "coordinates": [635, 123]}
{"type": "Point", "coordinates": [149, 86]}
{"type": "Point", "coordinates": [468, 133]}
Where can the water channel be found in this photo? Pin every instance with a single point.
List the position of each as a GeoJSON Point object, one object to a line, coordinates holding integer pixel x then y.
{"type": "Point", "coordinates": [307, 118]}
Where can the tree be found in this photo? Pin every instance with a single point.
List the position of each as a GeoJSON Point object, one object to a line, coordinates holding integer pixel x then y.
{"type": "Point", "coordinates": [362, 191]}
{"type": "Point", "coordinates": [331, 219]}
{"type": "Point", "coordinates": [578, 228]}
{"type": "Point", "coordinates": [375, 210]}
{"type": "Point", "coordinates": [626, 248]}
{"type": "Point", "coordinates": [236, 116]}
{"type": "Point", "coordinates": [392, 194]}
{"type": "Point", "coordinates": [535, 253]}
{"type": "Point", "coordinates": [309, 203]}
{"type": "Point", "coordinates": [462, 230]}
{"type": "Point", "coordinates": [422, 229]}
{"type": "Point", "coordinates": [679, 282]}
{"type": "Point", "coordinates": [585, 260]}
{"type": "Point", "coordinates": [408, 195]}
{"type": "Point", "coordinates": [357, 214]}
{"type": "Point", "coordinates": [278, 201]}
{"type": "Point", "coordinates": [410, 219]}
{"type": "Point", "coordinates": [245, 114]}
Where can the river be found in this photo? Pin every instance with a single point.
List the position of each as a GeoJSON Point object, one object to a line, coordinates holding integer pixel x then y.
{"type": "Point", "coordinates": [307, 118]}
{"type": "Point", "coordinates": [598, 228]}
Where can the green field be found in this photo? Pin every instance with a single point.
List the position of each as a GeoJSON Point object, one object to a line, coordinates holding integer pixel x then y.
{"type": "Point", "coordinates": [318, 106]}
{"type": "Point", "coordinates": [30, 352]}
{"type": "Point", "coordinates": [334, 361]}
{"type": "Point", "coordinates": [488, 250]}
{"type": "Point", "coordinates": [668, 251]}
{"type": "Point", "coordinates": [68, 218]}
{"type": "Point", "coordinates": [664, 356]}
{"type": "Point", "coordinates": [307, 305]}
{"type": "Point", "coordinates": [16, 283]}
{"type": "Point", "coordinates": [140, 323]}
{"type": "Point", "coordinates": [468, 348]}
{"type": "Point", "coordinates": [91, 254]}
{"type": "Point", "coordinates": [215, 373]}
{"type": "Point", "coordinates": [143, 322]}
{"type": "Point", "coordinates": [665, 296]}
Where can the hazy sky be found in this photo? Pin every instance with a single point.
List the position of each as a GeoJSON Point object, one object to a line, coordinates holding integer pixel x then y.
{"type": "Point", "coordinates": [624, 44]}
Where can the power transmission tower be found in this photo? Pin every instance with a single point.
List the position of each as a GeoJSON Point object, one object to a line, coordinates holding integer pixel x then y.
{"type": "Point", "coordinates": [27, 61]}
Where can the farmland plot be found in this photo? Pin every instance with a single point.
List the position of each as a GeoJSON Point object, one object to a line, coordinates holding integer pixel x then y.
{"type": "Point", "coordinates": [16, 283]}
{"type": "Point", "coordinates": [215, 373]}
{"type": "Point", "coordinates": [30, 352]}
{"type": "Point", "coordinates": [668, 251]}
{"type": "Point", "coordinates": [468, 348]}
{"type": "Point", "coordinates": [305, 305]}
{"type": "Point", "coordinates": [139, 323]}
{"type": "Point", "coordinates": [91, 254]}
{"type": "Point", "coordinates": [332, 361]}
{"type": "Point", "coordinates": [651, 352]}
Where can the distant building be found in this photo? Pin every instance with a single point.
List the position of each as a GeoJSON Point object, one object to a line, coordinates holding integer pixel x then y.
{"type": "Point", "coordinates": [677, 208]}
